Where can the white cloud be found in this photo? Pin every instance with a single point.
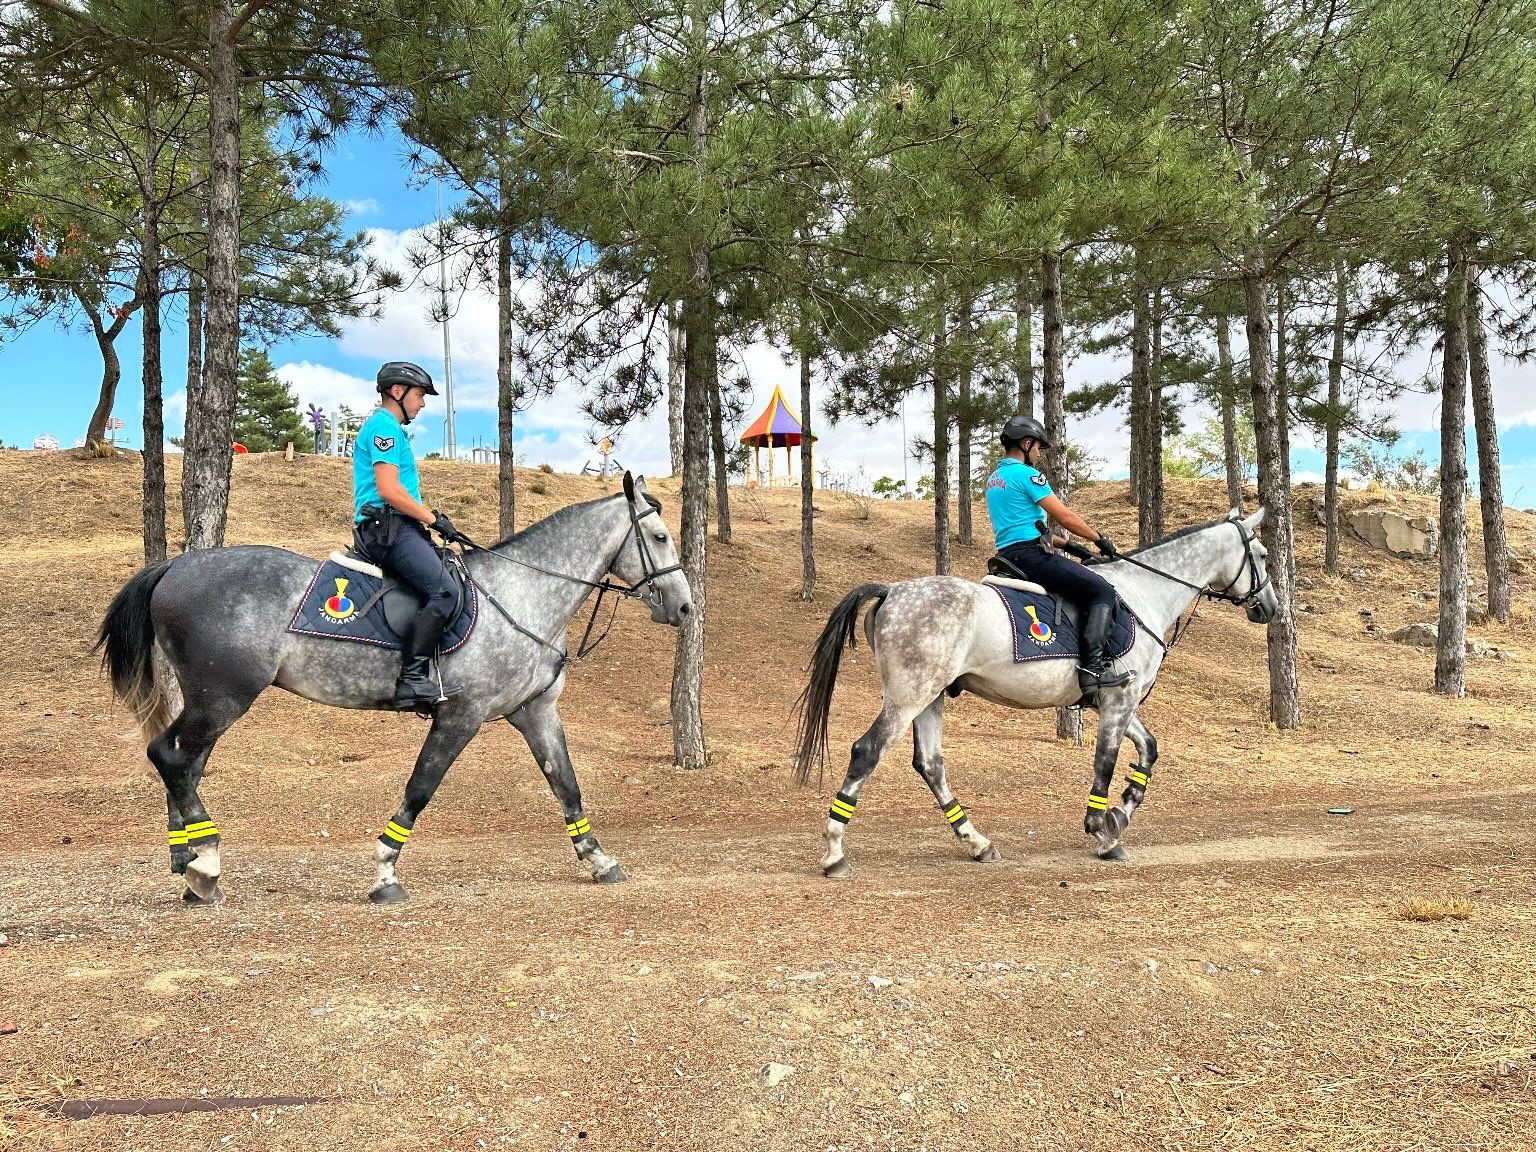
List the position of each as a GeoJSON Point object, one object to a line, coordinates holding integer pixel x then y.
{"type": "Point", "coordinates": [367, 206]}
{"type": "Point", "coordinates": [173, 411]}
{"type": "Point", "coordinates": [326, 387]}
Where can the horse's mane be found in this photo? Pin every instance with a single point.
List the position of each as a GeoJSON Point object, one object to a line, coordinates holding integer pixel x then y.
{"type": "Point", "coordinates": [1172, 536]}
{"type": "Point", "coordinates": [560, 515]}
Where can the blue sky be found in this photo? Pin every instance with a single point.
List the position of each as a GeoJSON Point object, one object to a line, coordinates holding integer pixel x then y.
{"type": "Point", "coordinates": [50, 377]}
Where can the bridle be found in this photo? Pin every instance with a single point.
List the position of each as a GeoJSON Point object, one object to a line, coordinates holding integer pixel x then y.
{"type": "Point", "coordinates": [1250, 567]}
{"type": "Point", "coordinates": [649, 573]}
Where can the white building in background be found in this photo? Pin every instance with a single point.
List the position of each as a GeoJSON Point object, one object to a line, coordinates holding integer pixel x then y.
{"type": "Point", "coordinates": [47, 442]}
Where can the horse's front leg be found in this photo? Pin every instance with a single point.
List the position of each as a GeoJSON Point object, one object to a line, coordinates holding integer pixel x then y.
{"type": "Point", "coordinates": [1117, 708]}
{"type": "Point", "coordinates": [539, 723]}
{"type": "Point", "coordinates": [1140, 775]}
{"type": "Point", "coordinates": [452, 730]}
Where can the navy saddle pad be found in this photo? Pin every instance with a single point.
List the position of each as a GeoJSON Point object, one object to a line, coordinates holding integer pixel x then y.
{"type": "Point", "coordinates": [347, 603]}
{"type": "Point", "coordinates": [1042, 630]}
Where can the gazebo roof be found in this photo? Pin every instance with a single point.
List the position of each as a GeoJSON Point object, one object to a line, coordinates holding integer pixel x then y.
{"type": "Point", "coordinates": [776, 427]}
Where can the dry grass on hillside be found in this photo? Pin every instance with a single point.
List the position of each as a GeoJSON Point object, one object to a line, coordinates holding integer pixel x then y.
{"type": "Point", "coordinates": [1260, 974]}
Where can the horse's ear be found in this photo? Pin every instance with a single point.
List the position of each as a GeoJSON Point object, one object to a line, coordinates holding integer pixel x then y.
{"type": "Point", "coordinates": [1252, 522]}
{"type": "Point", "coordinates": [629, 486]}
{"type": "Point", "coordinates": [1235, 514]}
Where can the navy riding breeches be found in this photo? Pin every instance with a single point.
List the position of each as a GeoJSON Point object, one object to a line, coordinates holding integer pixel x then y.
{"type": "Point", "coordinates": [1055, 573]}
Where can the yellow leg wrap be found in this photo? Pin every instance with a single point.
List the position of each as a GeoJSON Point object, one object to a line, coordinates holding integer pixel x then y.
{"type": "Point", "coordinates": [1138, 777]}
{"type": "Point", "coordinates": [954, 813]}
{"type": "Point", "coordinates": [579, 829]}
{"type": "Point", "coordinates": [1098, 803]}
{"type": "Point", "coordinates": [201, 830]}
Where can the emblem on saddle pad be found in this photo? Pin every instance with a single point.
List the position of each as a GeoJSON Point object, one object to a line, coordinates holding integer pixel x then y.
{"type": "Point", "coordinates": [1039, 631]}
{"type": "Point", "coordinates": [339, 606]}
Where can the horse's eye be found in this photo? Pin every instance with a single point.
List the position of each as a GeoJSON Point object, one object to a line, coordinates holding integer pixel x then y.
{"type": "Point", "coordinates": [661, 537]}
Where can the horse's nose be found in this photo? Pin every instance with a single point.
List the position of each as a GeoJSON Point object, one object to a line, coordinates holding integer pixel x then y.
{"type": "Point", "coordinates": [684, 609]}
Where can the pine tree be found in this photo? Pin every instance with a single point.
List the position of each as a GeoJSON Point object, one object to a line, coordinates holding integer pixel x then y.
{"type": "Point", "coordinates": [266, 411]}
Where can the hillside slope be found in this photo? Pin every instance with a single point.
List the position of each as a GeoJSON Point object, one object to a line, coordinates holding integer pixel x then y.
{"type": "Point", "coordinates": [1248, 979]}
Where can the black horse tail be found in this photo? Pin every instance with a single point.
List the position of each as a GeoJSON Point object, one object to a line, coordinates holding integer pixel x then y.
{"type": "Point", "coordinates": [127, 646]}
{"type": "Point", "coordinates": [813, 711]}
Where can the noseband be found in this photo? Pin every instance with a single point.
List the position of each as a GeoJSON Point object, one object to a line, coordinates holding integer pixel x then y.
{"type": "Point", "coordinates": [1251, 567]}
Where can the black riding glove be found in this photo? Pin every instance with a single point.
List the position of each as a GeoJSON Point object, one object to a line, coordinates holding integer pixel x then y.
{"type": "Point", "coordinates": [1106, 545]}
{"type": "Point", "coordinates": [444, 528]}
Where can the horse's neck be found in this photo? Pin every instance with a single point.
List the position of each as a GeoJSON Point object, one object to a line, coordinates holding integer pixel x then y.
{"type": "Point", "coordinates": [580, 543]}
{"type": "Point", "coordinates": [1194, 559]}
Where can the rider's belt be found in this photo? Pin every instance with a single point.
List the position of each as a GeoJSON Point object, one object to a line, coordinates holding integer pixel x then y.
{"type": "Point", "coordinates": [842, 808]}
{"type": "Point", "coordinates": [379, 526]}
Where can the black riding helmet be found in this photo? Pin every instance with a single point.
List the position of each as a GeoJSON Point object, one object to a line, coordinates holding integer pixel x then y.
{"type": "Point", "coordinates": [1021, 428]}
{"type": "Point", "coordinates": [404, 372]}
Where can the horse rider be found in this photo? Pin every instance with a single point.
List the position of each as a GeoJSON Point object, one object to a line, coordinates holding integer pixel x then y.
{"type": "Point", "coordinates": [391, 524]}
{"type": "Point", "coordinates": [1019, 498]}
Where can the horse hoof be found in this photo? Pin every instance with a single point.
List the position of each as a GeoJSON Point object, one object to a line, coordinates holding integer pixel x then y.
{"type": "Point", "coordinates": [614, 875]}
{"type": "Point", "coordinates": [839, 871]}
{"type": "Point", "coordinates": [1114, 855]}
{"type": "Point", "coordinates": [389, 894]}
{"type": "Point", "coordinates": [193, 899]}
{"type": "Point", "coordinates": [989, 855]}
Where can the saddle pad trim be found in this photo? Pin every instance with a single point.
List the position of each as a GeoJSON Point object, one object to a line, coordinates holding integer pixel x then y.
{"type": "Point", "coordinates": [345, 561]}
{"type": "Point", "coordinates": [1009, 582]}
{"type": "Point", "coordinates": [1022, 658]}
{"type": "Point", "coordinates": [296, 627]}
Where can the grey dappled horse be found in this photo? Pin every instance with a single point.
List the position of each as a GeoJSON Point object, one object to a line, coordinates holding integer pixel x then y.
{"type": "Point", "coordinates": [941, 633]}
{"type": "Point", "coordinates": [210, 627]}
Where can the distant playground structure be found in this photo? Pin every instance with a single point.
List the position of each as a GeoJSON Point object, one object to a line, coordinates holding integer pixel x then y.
{"type": "Point", "coordinates": [775, 427]}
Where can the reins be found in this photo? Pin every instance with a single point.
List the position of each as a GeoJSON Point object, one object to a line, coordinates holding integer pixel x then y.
{"type": "Point", "coordinates": [622, 591]}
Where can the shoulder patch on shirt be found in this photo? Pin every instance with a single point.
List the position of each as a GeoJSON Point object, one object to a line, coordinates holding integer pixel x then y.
{"type": "Point", "coordinates": [1037, 478]}
{"type": "Point", "coordinates": [383, 443]}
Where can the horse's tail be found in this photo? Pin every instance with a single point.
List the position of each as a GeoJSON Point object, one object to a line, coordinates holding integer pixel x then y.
{"type": "Point", "coordinates": [814, 708]}
{"type": "Point", "coordinates": [126, 642]}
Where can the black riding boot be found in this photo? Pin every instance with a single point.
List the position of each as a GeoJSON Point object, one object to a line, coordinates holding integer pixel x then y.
{"type": "Point", "coordinates": [416, 690]}
{"type": "Point", "coordinates": [1091, 674]}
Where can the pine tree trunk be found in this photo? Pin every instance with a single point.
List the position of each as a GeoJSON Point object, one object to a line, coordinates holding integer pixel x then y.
{"type": "Point", "coordinates": [1334, 424]}
{"type": "Point", "coordinates": [506, 387]}
{"type": "Point", "coordinates": [675, 346]}
{"type": "Point", "coordinates": [1149, 519]}
{"type": "Point", "coordinates": [1141, 386]}
{"type": "Point", "coordinates": [111, 375]}
{"type": "Point", "coordinates": [208, 459]}
{"type": "Point", "coordinates": [688, 750]}
{"type": "Point", "coordinates": [195, 333]}
{"type": "Point", "coordinates": [1231, 449]}
{"type": "Point", "coordinates": [154, 412]}
{"type": "Point", "coordinates": [1284, 688]}
{"type": "Point", "coordinates": [1023, 342]}
{"type": "Point", "coordinates": [964, 419]}
{"type": "Point", "coordinates": [1283, 404]}
{"type": "Point", "coordinates": [1450, 649]}
{"type": "Point", "coordinates": [717, 450]}
{"type": "Point", "coordinates": [807, 481]}
{"type": "Point", "coordinates": [1490, 483]}
{"type": "Point", "coordinates": [941, 419]}
{"type": "Point", "coordinates": [1069, 721]}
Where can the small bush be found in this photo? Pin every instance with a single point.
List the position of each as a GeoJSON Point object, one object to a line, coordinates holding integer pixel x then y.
{"type": "Point", "coordinates": [538, 487]}
{"type": "Point", "coordinates": [546, 469]}
{"type": "Point", "coordinates": [1432, 909]}
{"type": "Point", "coordinates": [862, 503]}
{"type": "Point", "coordinates": [752, 500]}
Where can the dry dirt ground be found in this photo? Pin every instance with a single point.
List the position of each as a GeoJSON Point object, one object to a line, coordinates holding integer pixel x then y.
{"type": "Point", "coordinates": [1249, 979]}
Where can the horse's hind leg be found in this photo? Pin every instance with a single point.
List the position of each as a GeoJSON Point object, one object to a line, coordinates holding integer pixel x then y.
{"type": "Point", "coordinates": [928, 759]}
{"type": "Point", "coordinates": [179, 754]}
{"type": "Point", "coordinates": [452, 730]}
{"type": "Point", "coordinates": [867, 750]}
{"type": "Point", "coordinates": [539, 723]}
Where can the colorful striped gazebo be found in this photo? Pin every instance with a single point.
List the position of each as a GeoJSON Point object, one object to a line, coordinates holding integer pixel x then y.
{"type": "Point", "coordinates": [776, 427]}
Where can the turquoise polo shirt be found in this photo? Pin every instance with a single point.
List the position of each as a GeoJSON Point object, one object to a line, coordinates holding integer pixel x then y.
{"type": "Point", "coordinates": [381, 440]}
{"type": "Point", "coordinates": [1014, 493]}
